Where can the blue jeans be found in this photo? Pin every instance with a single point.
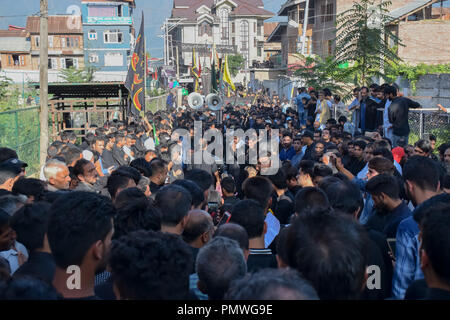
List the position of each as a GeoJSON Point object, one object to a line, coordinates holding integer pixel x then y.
{"type": "Point", "coordinates": [301, 117]}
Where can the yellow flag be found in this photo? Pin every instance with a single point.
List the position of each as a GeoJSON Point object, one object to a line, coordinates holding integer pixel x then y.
{"type": "Point", "coordinates": [226, 74]}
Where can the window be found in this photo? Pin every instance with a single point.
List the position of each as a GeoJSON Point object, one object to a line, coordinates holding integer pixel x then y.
{"type": "Point", "coordinates": [63, 42]}
{"type": "Point", "coordinates": [224, 25]}
{"type": "Point", "coordinates": [52, 63]}
{"type": "Point", "coordinates": [69, 63]}
{"type": "Point", "coordinates": [119, 11]}
{"type": "Point", "coordinates": [255, 44]}
{"type": "Point", "coordinates": [102, 11]}
{"type": "Point", "coordinates": [93, 58]}
{"type": "Point", "coordinates": [37, 41]}
{"type": "Point", "coordinates": [260, 28]}
{"type": "Point", "coordinates": [75, 63]}
{"type": "Point", "coordinates": [63, 63]}
{"type": "Point", "coordinates": [113, 59]}
{"type": "Point", "coordinates": [204, 28]}
{"type": "Point", "coordinates": [245, 39]}
{"type": "Point", "coordinates": [254, 27]}
{"type": "Point", "coordinates": [234, 41]}
{"type": "Point", "coordinates": [50, 41]}
{"type": "Point", "coordinates": [259, 51]}
{"type": "Point", "coordinates": [15, 60]}
{"type": "Point", "coordinates": [233, 27]}
{"type": "Point", "coordinates": [327, 12]}
{"type": "Point", "coordinates": [92, 35]}
{"type": "Point", "coordinates": [113, 36]}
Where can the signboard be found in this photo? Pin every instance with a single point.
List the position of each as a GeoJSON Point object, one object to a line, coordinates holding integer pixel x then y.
{"type": "Point", "coordinates": [109, 20]}
{"type": "Point", "coordinates": [207, 48]}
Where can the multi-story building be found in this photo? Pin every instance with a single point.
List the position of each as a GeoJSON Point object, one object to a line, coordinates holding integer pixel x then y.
{"type": "Point", "coordinates": [412, 20]}
{"type": "Point", "coordinates": [15, 50]}
{"type": "Point", "coordinates": [65, 42]}
{"type": "Point", "coordinates": [271, 48]}
{"type": "Point", "coordinates": [108, 34]}
{"type": "Point", "coordinates": [234, 26]}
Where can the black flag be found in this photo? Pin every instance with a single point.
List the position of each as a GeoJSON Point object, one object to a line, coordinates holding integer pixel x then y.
{"type": "Point", "coordinates": [135, 82]}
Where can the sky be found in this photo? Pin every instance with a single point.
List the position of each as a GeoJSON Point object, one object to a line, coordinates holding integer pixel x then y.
{"type": "Point", "coordinates": [155, 12]}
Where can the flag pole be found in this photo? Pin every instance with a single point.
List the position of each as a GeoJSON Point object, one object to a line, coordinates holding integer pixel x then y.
{"type": "Point", "coordinates": [146, 66]}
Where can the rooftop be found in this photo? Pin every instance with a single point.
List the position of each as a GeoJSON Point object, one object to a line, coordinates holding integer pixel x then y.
{"type": "Point", "coordinates": [60, 24]}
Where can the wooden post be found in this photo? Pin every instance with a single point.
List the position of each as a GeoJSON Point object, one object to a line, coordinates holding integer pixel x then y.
{"type": "Point", "coordinates": [43, 82]}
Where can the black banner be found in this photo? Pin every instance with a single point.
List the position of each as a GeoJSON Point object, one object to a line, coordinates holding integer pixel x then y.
{"type": "Point", "coordinates": [135, 82]}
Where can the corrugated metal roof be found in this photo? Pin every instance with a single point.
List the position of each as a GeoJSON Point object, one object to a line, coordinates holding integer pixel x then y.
{"type": "Point", "coordinates": [288, 4]}
{"type": "Point", "coordinates": [13, 33]}
{"type": "Point", "coordinates": [14, 44]}
{"type": "Point", "coordinates": [409, 8]}
{"type": "Point", "coordinates": [64, 24]}
{"type": "Point", "coordinates": [244, 7]}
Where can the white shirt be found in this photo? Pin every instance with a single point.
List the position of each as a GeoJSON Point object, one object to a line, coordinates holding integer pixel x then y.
{"type": "Point", "coordinates": [12, 256]}
{"type": "Point", "coordinates": [149, 144]}
{"type": "Point", "coordinates": [128, 152]}
{"type": "Point", "coordinates": [387, 126]}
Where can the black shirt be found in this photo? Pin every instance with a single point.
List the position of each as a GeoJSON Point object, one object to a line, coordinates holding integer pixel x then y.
{"type": "Point", "coordinates": [119, 156]}
{"type": "Point", "coordinates": [398, 115]}
{"type": "Point", "coordinates": [355, 165]}
{"type": "Point", "coordinates": [261, 259]}
{"type": "Point", "coordinates": [107, 159]}
{"type": "Point", "coordinates": [309, 152]}
{"type": "Point", "coordinates": [418, 290]}
{"type": "Point", "coordinates": [154, 187]}
{"type": "Point", "coordinates": [437, 294]}
{"type": "Point", "coordinates": [39, 265]}
{"type": "Point", "coordinates": [105, 291]}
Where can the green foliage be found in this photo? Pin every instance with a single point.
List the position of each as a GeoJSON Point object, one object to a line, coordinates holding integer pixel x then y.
{"type": "Point", "coordinates": [360, 41]}
{"type": "Point", "coordinates": [235, 63]}
{"type": "Point", "coordinates": [4, 84]}
{"type": "Point", "coordinates": [73, 75]}
{"type": "Point", "coordinates": [323, 73]}
{"type": "Point", "coordinates": [19, 130]}
{"type": "Point", "coordinates": [413, 73]}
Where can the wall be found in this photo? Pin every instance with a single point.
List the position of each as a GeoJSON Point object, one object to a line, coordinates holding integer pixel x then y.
{"type": "Point", "coordinates": [5, 57]}
{"type": "Point", "coordinates": [426, 41]}
{"type": "Point", "coordinates": [433, 89]}
{"type": "Point", "coordinates": [99, 47]}
{"type": "Point", "coordinates": [324, 32]}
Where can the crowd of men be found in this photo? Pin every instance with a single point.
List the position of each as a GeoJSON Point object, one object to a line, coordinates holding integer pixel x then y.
{"type": "Point", "coordinates": [353, 211]}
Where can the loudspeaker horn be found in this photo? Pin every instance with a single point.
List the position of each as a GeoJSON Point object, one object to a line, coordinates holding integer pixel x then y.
{"type": "Point", "coordinates": [214, 102]}
{"type": "Point", "coordinates": [196, 100]}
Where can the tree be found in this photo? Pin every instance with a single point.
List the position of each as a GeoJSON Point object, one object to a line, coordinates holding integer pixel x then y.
{"type": "Point", "coordinates": [235, 63]}
{"type": "Point", "coordinates": [4, 84]}
{"type": "Point", "coordinates": [360, 40]}
{"type": "Point", "coordinates": [322, 73]}
{"type": "Point", "coordinates": [74, 75]}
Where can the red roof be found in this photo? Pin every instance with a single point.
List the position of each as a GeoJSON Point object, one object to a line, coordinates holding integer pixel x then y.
{"type": "Point", "coordinates": [57, 24]}
{"type": "Point", "coordinates": [269, 27]}
{"type": "Point", "coordinates": [244, 7]}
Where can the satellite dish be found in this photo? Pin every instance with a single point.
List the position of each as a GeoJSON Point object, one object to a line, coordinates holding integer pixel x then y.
{"type": "Point", "coordinates": [195, 100]}
{"type": "Point", "coordinates": [214, 102]}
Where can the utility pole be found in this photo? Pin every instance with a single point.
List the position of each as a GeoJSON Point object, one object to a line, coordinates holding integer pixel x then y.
{"type": "Point", "coordinates": [43, 82]}
{"type": "Point", "coordinates": [178, 63]}
{"type": "Point", "coordinates": [305, 26]}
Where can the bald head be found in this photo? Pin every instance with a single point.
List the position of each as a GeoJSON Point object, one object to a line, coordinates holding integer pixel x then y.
{"type": "Point", "coordinates": [198, 229]}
